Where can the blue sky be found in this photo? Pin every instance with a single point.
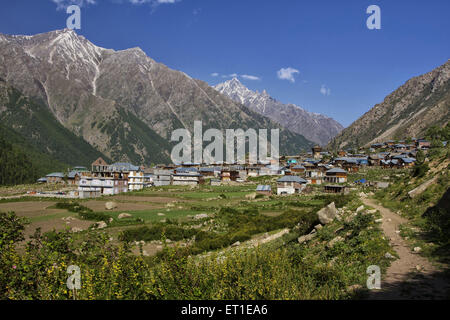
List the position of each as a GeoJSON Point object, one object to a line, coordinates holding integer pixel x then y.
{"type": "Point", "coordinates": [343, 67]}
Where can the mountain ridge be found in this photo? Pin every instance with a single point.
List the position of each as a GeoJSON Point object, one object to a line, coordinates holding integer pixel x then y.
{"type": "Point", "coordinates": [421, 102]}
{"type": "Point", "coordinates": [313, 126]}
{"type": "Point", "coordinates": [94, 92]}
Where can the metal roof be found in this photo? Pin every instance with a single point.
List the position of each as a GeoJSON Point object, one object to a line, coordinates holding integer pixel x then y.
{"type": "Point", "coordinates": [292, 179]}
{"type": "Point", "coordinates": [123, 166]}
{"type": "Point", "coordinates": [336, 170]}
{"type": "Point", "coordinates": [181, 169]}
{"type": "Point", "coordinates": [73, 173]}
{"type": "Point", "coordinates": [263, 188]}
{"type": "Point", "coordinates": [55, 175]}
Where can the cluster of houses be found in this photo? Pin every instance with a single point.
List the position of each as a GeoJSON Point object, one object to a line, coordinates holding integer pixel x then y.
{"type": "Point", "coordinates": [313, 168]}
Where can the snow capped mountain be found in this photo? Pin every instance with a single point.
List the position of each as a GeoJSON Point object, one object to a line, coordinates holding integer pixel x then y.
{"type": "Point", "coordinates": [123, 103]}
{"type": "Point", "coordinates": [314, 126]}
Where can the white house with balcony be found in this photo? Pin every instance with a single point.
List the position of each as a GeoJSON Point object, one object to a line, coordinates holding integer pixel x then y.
{"type": "Point", "coordinates": [136, 180]}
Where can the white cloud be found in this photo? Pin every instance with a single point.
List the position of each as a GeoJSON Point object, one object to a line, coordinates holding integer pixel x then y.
{"type": "Point", "coordinates": [324, 90]}
{"type": "Point", "coordinates": [154, 2]}
{"type": "Point", "coordinates": [235, 75]}
{"type": "Point", "coordinates": [287, 74]}
{"type": "Point", "coordinates": [250, 77]}
{"type": "Point", "coordinates": [63, 4]}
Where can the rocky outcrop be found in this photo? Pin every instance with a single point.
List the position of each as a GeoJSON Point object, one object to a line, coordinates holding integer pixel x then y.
{"type": "Point", "coordinates": [327, 214]}
{"type": "Point", "coordinates": [415, 192]}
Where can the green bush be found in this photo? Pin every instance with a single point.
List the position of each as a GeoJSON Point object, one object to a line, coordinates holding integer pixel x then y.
{"type": "Point", "coordinates": [420, 170]}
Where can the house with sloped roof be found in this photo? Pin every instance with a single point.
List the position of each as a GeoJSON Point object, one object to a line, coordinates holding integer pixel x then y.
{"type": "Point", "coordinates": [99, 165]}
{"type": "Point", "coordinates": [298, 170]}
{"type": "Point", "coordinates": [336, 175]}
{"type": "Point", "coordinates": [73, 177]}
{"type": "Point", "coordinates": [162, 177]}
{"type": "Point", "coordinates": [423, 144]}
{"type": "Point", "coordinates": [187, 179]}
{"type": "Point", "coordinates": [407, 162]}
{"type": "Point", "coordinates": [290, 185]}
{"type": "Point", "coordinates": [264, 189]}
{"type": "Point", "coordinates": [55, 177]}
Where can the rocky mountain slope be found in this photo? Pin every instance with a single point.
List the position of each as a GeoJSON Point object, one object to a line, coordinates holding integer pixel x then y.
{"type": "Point", "coordinates": [123, 103]}
{"type": "Point", "coordinates": [31, 127]}
{"type": "Point", "coordinates": [421, 102]}
{"type": "Point", "coordinates": [315, 127]}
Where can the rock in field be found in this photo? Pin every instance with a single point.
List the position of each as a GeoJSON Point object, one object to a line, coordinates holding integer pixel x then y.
{"type": "Point", "coordinates": [110, 205]}
{"type": "Point", "coordinates": [334, 241]}
{"type": "Point", "coordinates": [124, 215]}
{"type": "Point", "coordinates": [327, 214]}
{"type": "Point", "coordinates": [251, 196]}
{"type": "Point", "coordinates": [201, 216]}
{"type": "Point", "coordinates": [100, 225]}
{"type": "Point", "coordinates": [306, 238]}
{"type": "Point", "coordinates": [236, 244]}
{"type": "Point", "coordinates": [388, 255]}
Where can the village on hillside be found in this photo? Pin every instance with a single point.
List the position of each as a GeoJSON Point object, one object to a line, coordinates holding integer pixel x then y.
{"type": "Point", "coordinates": [297, 173]}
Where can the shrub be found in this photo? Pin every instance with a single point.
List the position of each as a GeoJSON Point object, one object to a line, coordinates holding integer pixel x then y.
{"type": "Point", "coordinates": [420, 170]}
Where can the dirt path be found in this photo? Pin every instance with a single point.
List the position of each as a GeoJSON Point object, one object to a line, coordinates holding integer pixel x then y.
{"type": "Point", "coordinates": [411, 276]}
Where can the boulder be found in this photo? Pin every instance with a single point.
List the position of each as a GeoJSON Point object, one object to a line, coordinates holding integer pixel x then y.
{"type": "Point", "coordinates": [161, 214]}
{"type": "Point", "coordinates": [318, 227]}
{"type": "Point", "coordinates": [124, 215]}
{"type": "Point", "coordinates": [327, 214]}
{"type": "Point", "coordinates": [236, 244]}
{"type": "Point", "coordinates": [306, 238]}
{"type": "Point", "coordinates": [334, 241]}
{"type": "Point", "coordinates": [201, 216]}
{"type": "Point", "coordinates": [389, 256]}
{"type": "Point", "coordinates": [417, 249]}
{"type": "Point", "coordinates": [359, 209]}
{"type": "Point", "coordinates": [355, 287]}
{"type": "Point", "coordinates": [100, 225]}
{"type": "Point", "coordinates": [251, 196]}
{"type": "Point", "coordinates": [75, 229]}
{"type": "Point", "coordinates": [415, 192]}
{"type": "Point", "coordinates": [110, 205]}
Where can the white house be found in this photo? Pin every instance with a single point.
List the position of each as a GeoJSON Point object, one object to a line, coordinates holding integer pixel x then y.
{"type": "Point", "coordinates": [290, 185]}
{"type": "Point", "coordinates": [135, 180]}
